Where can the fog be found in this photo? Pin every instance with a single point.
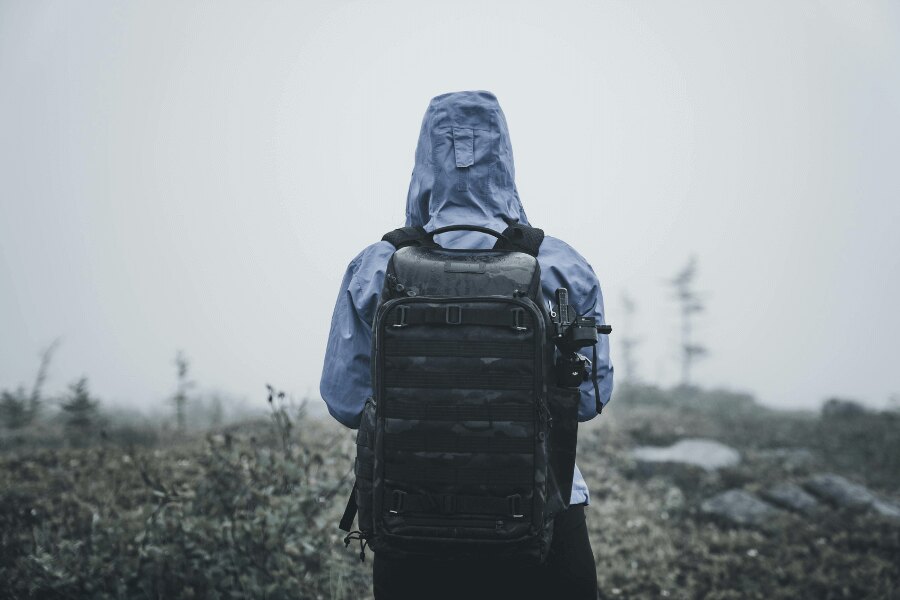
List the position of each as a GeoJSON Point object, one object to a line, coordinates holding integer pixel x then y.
{"type": "Point", "coordinates": [196, 177]}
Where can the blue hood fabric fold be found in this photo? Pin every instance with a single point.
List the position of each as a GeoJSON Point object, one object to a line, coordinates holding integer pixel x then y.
{"type": "Point", "coordinates": [464, 171]}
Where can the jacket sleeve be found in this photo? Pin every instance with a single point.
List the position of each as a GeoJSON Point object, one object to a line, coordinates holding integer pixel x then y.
{"type": "Point", "coordinates": [589, 301]}
{"type": "Point", "coordinates": [346, 378]}
{"type": "Point", "coordinates": [562, 266]}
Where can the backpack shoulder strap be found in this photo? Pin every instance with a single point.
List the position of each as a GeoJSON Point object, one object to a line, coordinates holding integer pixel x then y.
{"type": "Point", "coordinates": [408, 236]}
{"type": "Point", "coordinates": [522, 238]}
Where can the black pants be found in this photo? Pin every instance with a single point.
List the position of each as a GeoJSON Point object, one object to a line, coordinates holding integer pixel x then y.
{"type": "Point", "coordinates": [569, 572]}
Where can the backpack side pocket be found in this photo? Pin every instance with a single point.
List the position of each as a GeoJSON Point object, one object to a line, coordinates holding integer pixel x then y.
{"type": "Point", "coordinates": [563, 405]}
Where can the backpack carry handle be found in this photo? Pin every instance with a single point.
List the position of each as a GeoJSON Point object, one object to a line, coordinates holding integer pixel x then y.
{"type": "Point", "coordinates": [430, 235]}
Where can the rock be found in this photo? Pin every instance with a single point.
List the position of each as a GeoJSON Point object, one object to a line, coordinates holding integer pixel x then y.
{"type": "Point", "coordinates": [740, 508]}
{"type": "Point", "coordinates": [706, 454]}
{"type": "Point", "coordinates": [792, 497]}
{"type": "Point", "coordinates": [840, 492]}
{"type": "Point", "coordinates": [843, 493]}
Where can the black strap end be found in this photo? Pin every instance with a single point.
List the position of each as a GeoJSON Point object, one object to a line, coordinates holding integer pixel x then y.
{"type": "Point", "coordinates": [350, 512]}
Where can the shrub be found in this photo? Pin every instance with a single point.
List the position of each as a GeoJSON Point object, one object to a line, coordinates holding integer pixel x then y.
{"type": "Point", "coordinates": [245, 513]}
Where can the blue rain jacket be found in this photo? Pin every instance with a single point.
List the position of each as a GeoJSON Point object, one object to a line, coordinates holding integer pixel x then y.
{"type": "Point", "coordinates": [464, 174]}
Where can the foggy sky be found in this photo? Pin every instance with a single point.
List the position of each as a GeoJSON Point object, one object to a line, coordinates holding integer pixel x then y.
{"type": "Point", "coordinates": [197, 176]}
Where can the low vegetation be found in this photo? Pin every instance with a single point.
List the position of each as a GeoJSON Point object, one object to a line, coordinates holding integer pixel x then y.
{"type": "Point", "coordinates": [250, 509]}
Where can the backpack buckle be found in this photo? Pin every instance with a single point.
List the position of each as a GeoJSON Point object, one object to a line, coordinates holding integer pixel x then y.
{"type": "Point", "coordinates": [454, 314]}
{"type": "Point", "coordinates": [514, 504]}
{"type": "Point", "coordinates": [397, 497]}
{"type": "Point", "coordinates": [401, 316]}
{"type": "Point", "coordinates": [519, 319]}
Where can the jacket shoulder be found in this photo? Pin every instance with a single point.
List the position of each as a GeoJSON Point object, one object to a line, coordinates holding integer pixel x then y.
{"type": "Point", "coordinates": [365, 277]}
{"type": "Point", "coordinates": [378, 252]}
{"type": "Point", "coordinates": [563, 266]}
{"type": "Point", "coordinates": [557, 251]}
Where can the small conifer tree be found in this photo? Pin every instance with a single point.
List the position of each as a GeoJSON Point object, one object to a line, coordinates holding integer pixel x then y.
{"type": "Point", "coordinates": [690, 305]}
{"type": "Point", "coordinates": [80, 410]}
{"type": "Point", "coordinates": [14, 413]}
{"type": "Point", "coordinates": [629, 340]}
{"type": "Point", "coordinates": [19, 407]}
{"type": "Point", "coordinates": [180, 399]}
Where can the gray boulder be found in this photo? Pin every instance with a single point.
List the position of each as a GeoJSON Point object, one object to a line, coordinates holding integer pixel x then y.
{"type": "Point", "coordinates": [740, 508]}
{"type": "Point", "coordinates": [841, 492]}
{"type": "Point", "coordinates": [706, 454]}
{"type": "Point", "coordinates": [792, 497]}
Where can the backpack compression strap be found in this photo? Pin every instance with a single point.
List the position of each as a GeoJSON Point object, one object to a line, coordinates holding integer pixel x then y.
{"type": "Point", "coordinates": [521, 238]}
{"type": "Point", "coordinates": [408, 236]}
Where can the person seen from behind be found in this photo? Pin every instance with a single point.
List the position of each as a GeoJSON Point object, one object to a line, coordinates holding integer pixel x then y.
{"type": "Point", "coordinates": [481, 192]}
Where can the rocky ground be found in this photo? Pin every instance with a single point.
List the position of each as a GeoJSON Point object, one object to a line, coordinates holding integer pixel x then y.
{"type": "Point", "coordinates": [694, 494]}
{"type": "Point", "coordinates": [701, 494]}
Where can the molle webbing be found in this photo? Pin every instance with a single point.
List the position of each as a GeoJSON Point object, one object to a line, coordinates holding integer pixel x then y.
{"type": "Point", "coordinates": [465, 349]}
{"type": "Point", "coordinates": [456, 315]}
{"type": "Point", "coordinates": [450, 442]}
{"type": "Point", "coordinates": [448, 504]}
{"type": "Point", "coordinates": [458, 380]}
{"type": "Point", "coordinates": [440, 411]}
{"type": "Point", "coordinates": [520, 476]}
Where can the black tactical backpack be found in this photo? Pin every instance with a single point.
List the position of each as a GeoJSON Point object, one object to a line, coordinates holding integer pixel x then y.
{"type": "Point", "coordinates": [467, 449]}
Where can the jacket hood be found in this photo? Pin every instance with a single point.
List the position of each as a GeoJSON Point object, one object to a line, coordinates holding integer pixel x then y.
{"type": "Point", "coordinates": [464, 172]}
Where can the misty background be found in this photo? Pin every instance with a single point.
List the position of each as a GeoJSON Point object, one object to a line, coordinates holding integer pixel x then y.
{"type": "Point", "coordinates": [196, 177]}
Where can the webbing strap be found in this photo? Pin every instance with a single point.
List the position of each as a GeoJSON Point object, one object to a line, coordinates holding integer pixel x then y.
{"type": "Point", "coordinates": [349, 512]}
{"type": "Point", "coordinates": [523, 476]}
{"type": "Point", "coordinates": [453, 314]}
{"type": "Point", "coordinates": [596, 385]}
{"type": "Point", "coordinates": [467, 349]}
{"type": "Point", "coordinates": [435, 411]}
{"type": "Point", "coordinates": [458, 380]}
{"type": "Point", "coordinates": [409, 236]}
{"type": "Point", "coordinates": [422, 441]}
{"type": "Point", "coordinates": [402, 502]}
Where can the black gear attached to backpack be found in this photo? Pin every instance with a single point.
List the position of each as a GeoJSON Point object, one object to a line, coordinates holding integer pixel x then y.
{"type": "Point", "coordinates": [467, 449]}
